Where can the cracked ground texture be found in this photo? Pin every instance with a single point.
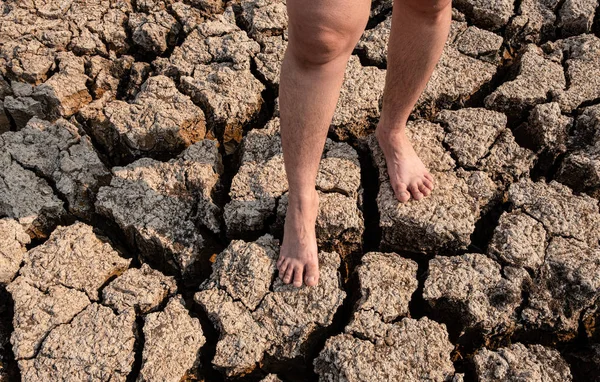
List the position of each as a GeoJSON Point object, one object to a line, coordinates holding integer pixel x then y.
{"type": "Point", "coordinates": [143, 194]}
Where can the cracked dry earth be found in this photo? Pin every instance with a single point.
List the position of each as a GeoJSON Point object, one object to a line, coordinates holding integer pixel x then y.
{"type": "Point", "coordinates": [143, 193]}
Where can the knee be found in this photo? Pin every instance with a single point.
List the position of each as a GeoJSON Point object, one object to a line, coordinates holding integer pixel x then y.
{"type": "Point", "coordinates": [428, 8]}
{"type": "Point", "coordinates": [318, 43]}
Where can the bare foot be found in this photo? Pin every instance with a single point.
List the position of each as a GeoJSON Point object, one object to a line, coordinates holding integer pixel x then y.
{"type": "Point", "coordinates": [408, 175]}
{"type": "Point", "coordinates": [298, 259]}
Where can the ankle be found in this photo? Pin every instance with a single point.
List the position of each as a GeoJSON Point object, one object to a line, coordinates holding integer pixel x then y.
{"type": "Point", "coordinates": [303, 197]}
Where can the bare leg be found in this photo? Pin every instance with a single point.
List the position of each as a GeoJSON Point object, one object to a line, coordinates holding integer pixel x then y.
{"type": "Point", "coordinates": [417, 37]}
{"type": "Point", "coordinates": [321, 35]}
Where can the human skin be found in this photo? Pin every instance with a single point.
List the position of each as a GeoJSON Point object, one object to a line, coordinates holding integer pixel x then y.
{"type": "Point", "coordinates": [321, 37]}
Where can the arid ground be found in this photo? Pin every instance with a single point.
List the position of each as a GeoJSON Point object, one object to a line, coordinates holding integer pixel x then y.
{"type": "Point", "coordinates": [143, 193]}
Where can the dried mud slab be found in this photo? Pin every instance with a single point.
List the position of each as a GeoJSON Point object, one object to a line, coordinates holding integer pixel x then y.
{"type": "Point", "coordinates": [518, 362]}
{"type": "Point", "coordinates": [487, 14]}
{"type": "Point", "coordinates": [62, 95]}
{"type": "Point", "coordinates": [552, 233]}
{"type": "Point", "coordinates": [74, 257]}
{"type": "Point", "coordinates": [577, 17]}
{"type": "Point", "coordinates": [28, 199]}
{"type": "Point", "coordinates": [13, 240]}
{"type": "Point", "coordinates": [60, 153]}
{"type": "Point", "coordinates": [262, 18]}
{"type": "Point", "coordinates": [534, 21]}
{"type": "Point", "coordinates": [475, 291]}
{"type": "Point", "coordinates": [172, 342]}
{"type": "Point", "coordinates": [142, 289]}
{"type": "Point", "coordinates": [412, 350]}
{"type": "Point", "coordinates": [159, 121]}
{"type": "Point", "coordinates": [214, 65]}
{"type": "Point", "coordinates": [155, 31]}
{"type": "Point", "coordinates": [386, 283]}
{"type": "Point", "coordinates": [536, 79]}
{"type": "Point", "coordinates": [580, 169]}
{"type": "Point", "coordinates": [231, 98]}
{"type": "Point", "coordinates": [581, 59]}
{"type": "Point", "coordinates": [259, 191]}
{"type": "Point", "coordinates": [39, 311]}
{"type": "Point", "coordinates": [256, 314]}
{"type": "Point", "coordinates": [96, 344]}
{"type": "Point", "coordinates": [548, 129]}
{"type": "Point", "coordinates": [160, 205]}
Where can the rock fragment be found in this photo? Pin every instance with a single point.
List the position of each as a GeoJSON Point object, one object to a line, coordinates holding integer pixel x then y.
{"type": "Point", "coordinates": [560, 211]}
{"type": "Point", "coordinates": [159, 121]}
{"type": "Point", "coordinates": [412, 350]}
{"type": "Point", "coordinates": [535, 21]}
{"type": "Point", "coordinates": [58, 152]}
{"type": "Point", "coordinates": [268, 61]}
{"type": "Point", "coordinates": [581, 57]}
{"type": "Point", "coordinates": [537, 78]}
{"type": "Point", "coordinates": [65, 92]}
{"type": "Point", "coordinates": [256, 313]}
{"type": "Point", "coordinates": [142, 289]}
{"type": "Point", "coordinates": [547, 128]}
{"type": "Point", "coordinates": [39, 311]}
{"type": "Point", "coordinates": [28, 199]}
{"type": "Point", "coordinates": [231, 98]}
{"type": "Point", "coordinates": [480, 43]}
{"type": "Point", "coordinates": [471, 133]}
{"type": "Point", "coordinates": [263, 18]}
{"type": "Point", "coordinates": [577, 17]}
{"type": "Point", "coordinates": [13, 240]}
{"type": "Point", "coordinates": [580, 169]}
{"type": "Point", "coordinates": [520, 362]}
{"type": "Point", "coordinates": [387, 282]}
{"type": "Point", "coordinates": [154, 32]}
{"type": "Point", "coordinates": [96, 345]}
{"type": "Point", "coordinates": [271, 378]}
{"type": "Point", "coordinates": [566, 285]}
{"type": "Point", "coordinates": [172, 342]}
{"type": "Point", "coordinates": [518, 240]}
{"type": "Point", "coordinates": [74, 257]}
{"type": "Point", "coordinates": [259, 191]}
{"type": "Point", "coordinates": [154, 202]}
{"type": "Point", "coordinates": [487, 14]}
{"type": "Point", "coordinates": [472, 289]}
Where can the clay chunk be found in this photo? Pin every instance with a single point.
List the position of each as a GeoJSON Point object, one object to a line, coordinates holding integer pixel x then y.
{"type": "Point", "coordinates": [257, 314]}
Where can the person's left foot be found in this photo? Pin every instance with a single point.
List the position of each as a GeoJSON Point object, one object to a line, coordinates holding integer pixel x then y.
{"type": "Point", "coordinates": [408, 175]}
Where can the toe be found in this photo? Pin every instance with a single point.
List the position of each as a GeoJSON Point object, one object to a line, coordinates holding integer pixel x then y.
{"type": "Point", "coordinates": [428, 183]}
{"type": "Point", "coordinates": [414, 191]}
{"type": "Point", "coordinates": [280, 261]}
{"type": "Point", "coordinates": [424, 190]}
{"type": "Point", "coordinates": [311, 276]}
{"type": "Point", "coordinates": [282, 267]}
{"type": "Point", "coordinates": [298, 273]}
{"type": "Point", "coordinates": [287, 278]}
{"type": "Point", "coordinates": [429, 177]}
{"type": "Point", "coordinates": [401, 192]}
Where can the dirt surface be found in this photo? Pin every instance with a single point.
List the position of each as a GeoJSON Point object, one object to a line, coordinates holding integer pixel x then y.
{"type": "Point", "coordinates": [143, 195]}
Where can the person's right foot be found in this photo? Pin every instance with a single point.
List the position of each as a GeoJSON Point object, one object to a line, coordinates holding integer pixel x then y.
{"type": "Point", "coordinates": [298, 261]}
